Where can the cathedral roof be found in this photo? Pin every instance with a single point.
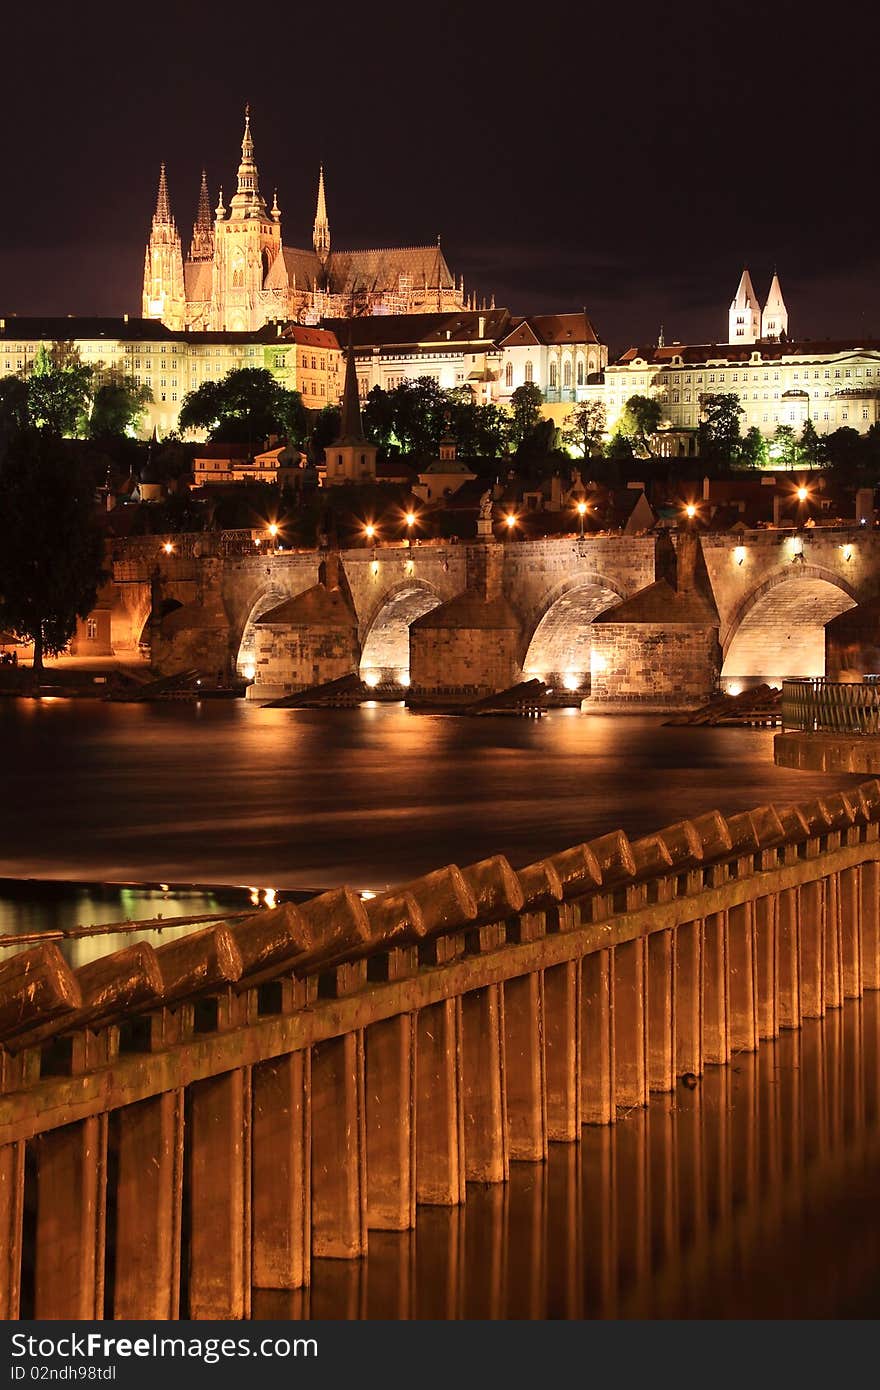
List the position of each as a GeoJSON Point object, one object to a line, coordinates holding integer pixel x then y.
{"type": "Point", "coordinates": [378, 270]}
{"type": "Point", "coordinates": [300, 265]}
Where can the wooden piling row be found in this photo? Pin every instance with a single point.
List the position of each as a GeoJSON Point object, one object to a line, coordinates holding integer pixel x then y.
{"type": "Point", "coordinates": [249, 1098]}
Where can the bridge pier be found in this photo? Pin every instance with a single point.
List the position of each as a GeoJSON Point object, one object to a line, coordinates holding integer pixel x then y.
{"type": "Point", "coordinates": [148, 1138]}
{"type": "Point", "coordinates": [71, 1218]}
{"type": "Point", "coordinates": [219, 1124]}
{"type": "Point", "coordinates": [281, 1166]}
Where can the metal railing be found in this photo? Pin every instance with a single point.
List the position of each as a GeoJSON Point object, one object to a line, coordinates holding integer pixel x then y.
{"type": "Point", "coordinates": [816, 705]}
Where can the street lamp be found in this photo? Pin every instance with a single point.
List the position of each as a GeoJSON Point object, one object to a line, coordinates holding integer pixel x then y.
{"type": "Point", "coordinates": [690, 511]}
{"type": "Point", "coordinates": [510, 522]}
{"type": "Point", "coordinates": [581, 511]}
{"type": "Point", "coordinates": [272, 532]}
{"type": "Point", "coordinates": [168, 548]}
{"type": "Point", "coordinates": [370, 531]}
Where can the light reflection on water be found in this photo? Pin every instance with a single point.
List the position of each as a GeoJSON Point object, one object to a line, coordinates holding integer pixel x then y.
{"type": "Point", "coordinates": [229, 793]}
{"type": "Point", "coordinates": [753, 1195]}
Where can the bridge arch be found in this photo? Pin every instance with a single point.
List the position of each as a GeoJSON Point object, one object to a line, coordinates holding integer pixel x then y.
{"type": "Point", "coordinates": [778, 630]}
{"type": "Point", "coordinates": [268, 598]}
{"type": "Point", "coordinates": [558, 648]}
{"type": "Point", "coordinates": [385, 645]}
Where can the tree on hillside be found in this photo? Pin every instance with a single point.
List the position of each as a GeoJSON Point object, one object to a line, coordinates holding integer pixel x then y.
{"type": "Point", "coordinates": [419, 415]}
{"type": "Point", "coordinates": [753, 449]}
{"type": "Point", "coordinates": [525, 408]}
{"type": "Point", "coordinates": [810, 446]}
{"type": "Point", "coordinates": [377, 417]}
{"type": "Point", "coordinates": [585, 427]}
{"type": "Point", "coordinates": [784, 447]}
{"type": "Point", "coordinates": [324, 430]}
{"type": "Point", "coordinates": [719, 432]}
{"type": "Point", "coordinates": [245, 407]}
{"type": "Point", "coordinates": [118, 406]}
{"type": "Point", "coordinates": [59, 392]}
{"type": "Point", "coordinates": [14, 413]}
{"type": "Point", "coordinates": [638, 422]}
{"type": "Point", "coordinates": [51, 548]}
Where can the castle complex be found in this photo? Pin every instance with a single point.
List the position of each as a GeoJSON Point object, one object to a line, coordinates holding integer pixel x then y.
{"type": "Point", "coordinates": [239, 275]}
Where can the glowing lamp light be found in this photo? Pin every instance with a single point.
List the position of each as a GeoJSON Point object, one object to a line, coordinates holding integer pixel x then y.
{"type": "Point", "coordinates": [371, 679]}
{"type": "Point", "coordinates": [270, 897]}
{"type": "Point", "coordinates": [690, 511]}
{"type": "Point", "coordinates": [847, 552]}
{"type": "Point", "coordinates": [249, 671]}
{"type": "Point", "coordinates": [258, 540]}
{"type": "Point", "coordinates": [582, 508]}
{"type": "Point", "coordinates": [410, 518]}
{"type": "Point", "coordinates": [404, 679]}
{"type": "Point", "coordinates": [571, 681]}
{"type": "Point", "coordinates": [802, 494]}
{"type": "Point", "coordinates": [374, 566]}
{"type": "Point", "coordinates": [739, 554]}
{"type": "Point", "coordinates": [510, 521]}
{"type": "Point", "coordinates": [254, 895]}
{"type": "Point", "coordinates": [796, 545]}
{"type": "Point", "coordinates": [410, 567]}
{"type": "Point", "coordinates": [369, 530]}
{"type": "Point", "coordinates": [734, 688]}
{"type": "Point", "coordinates": [367, 894]}
{"type": "Point", "coordinates": [272, 528]}
{"type": "Point", "coordinates": [168, 548]}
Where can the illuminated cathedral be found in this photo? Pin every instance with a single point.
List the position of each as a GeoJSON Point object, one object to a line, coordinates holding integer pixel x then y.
{"type": "Point", "coordinates": [239, 275]}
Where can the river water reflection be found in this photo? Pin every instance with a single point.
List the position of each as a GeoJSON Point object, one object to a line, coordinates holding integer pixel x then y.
{"type": "Point", "coordinates": [226, 793]}
{"type": "Point", "coordinates": [753, 1195]}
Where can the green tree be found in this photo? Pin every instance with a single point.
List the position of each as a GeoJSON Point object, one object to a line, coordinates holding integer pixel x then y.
{"type": "Point", "coordinates": [14, 412]}
{"type": "Point", "coordinates": [638, 422]}
{"type": "Point", "coordinates": [118, 407]}
{"type": "Point", "coordinates": [784, 449]}
{"type": "Point", "coordinates": [719, 432]}
{"type": "Point", "coordinates": [420, 415]}
{"type": "Point", "coordinates": [51, 547]}
{"type": "Point", "coordinates": [753, 451]}
{"type": "Point", "coordinates": [491, 431]}
{"type": "Point", "coordinates": [810, 448]}
{"type": "Point", "coordinates": [324, 430]}
{"type": "Point", "coordinates": [245, 407]}
{"type": "Point", "coordinates": [525, 409]}
{"type": "Point", "coordinates": [377, 416]}
{"type": "Point", "coordinates": [585, 427]}
{"type": "Point", "coordinates": [59, 392]}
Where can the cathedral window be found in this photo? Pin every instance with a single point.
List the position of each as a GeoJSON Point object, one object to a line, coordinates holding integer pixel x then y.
{"type": "Point", "coordinates": [580, 374]}
{"type": "Point", "coordinates": [508, 374]}
{"type": "Point", "coordinates": [566, 374]}
{"type": "Point", "coordinates": [553, 376]}
{"type": "Point", "coordinates": [529, 374]}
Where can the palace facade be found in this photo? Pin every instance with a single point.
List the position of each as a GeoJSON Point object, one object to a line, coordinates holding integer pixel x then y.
{"type": "Point", "coordinates": [779, 381]}
{"type": "Point", "coordinates": [240, 275]}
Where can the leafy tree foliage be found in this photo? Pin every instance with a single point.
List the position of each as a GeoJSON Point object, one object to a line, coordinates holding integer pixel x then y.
{"type": "Point", "coordinates": [585, 427]}
{"type": "Point", "coordinates": [525, 408]}
{"type": "Point", "coordinates": [59, 392]}
{"type": "Point", "coordinates": [753, 451]}
{"type": "Point", "coordinates": [245, 407]}
{"type": "Point", "coordinates": [118, 406]}
{"type": "Point", "coordinates": [639, 421]}
{"type": "Point", "coordinates": [51, 548]}
{"type": "Point", "coordinates": [784, 447]}
{"type": "Point", "coordinates": [719, 432]}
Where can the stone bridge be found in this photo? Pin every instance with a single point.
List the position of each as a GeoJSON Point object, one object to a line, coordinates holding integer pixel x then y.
{"type": "Point", "coordinates": [634, 621]}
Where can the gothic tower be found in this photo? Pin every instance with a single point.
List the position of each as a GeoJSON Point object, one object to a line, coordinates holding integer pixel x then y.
{"type": "Point", "coordinates": [774, 319]}
{"type": "Point", "coordinates": [201, 247]}
{"type": "Point", "coordinates": [321, 233]}
{"type": "Point", "coordinates": [745, 313]}
{"type": "Point", "coordinates": [351, 458]}
{"type": "Point", "coordinates": [164, 296]}
{"type": "Point", "coordinates": [247, 238]}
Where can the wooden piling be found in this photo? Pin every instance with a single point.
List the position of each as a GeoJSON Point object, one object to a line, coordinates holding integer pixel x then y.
{"type": "Point", "coordinates": [631, 1072]}
{"type": "Point", "coordinates": [440, 1166]}
{"type": "Point", "coordinates": [390, 1123]}
{"type": "Point", "coordinates": [598, 1096]}
{"type": "Point", "coordinates": [71, 1217]}
{"type": "Point", "coordinates": [562, 1051]}
{"type": "Point", "coordinates": [149, 1146]}
{"type": "Point", "coordinates": [524, 1067]}
{"type": "Point", "coordinates": [281, 1161]}
{"type": "Point", "coordinates": [339, 1207]}
{"type": "Point", "coordinates": [218, 1150]}
{"type": "Point", "coordinates": [483, 1085]}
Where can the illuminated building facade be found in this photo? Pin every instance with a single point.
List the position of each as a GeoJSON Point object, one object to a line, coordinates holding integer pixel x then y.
{"type": "Point", "coordinates": [239, 275]}
{"type": "Point", "coordinates": [779, 381]}
{"type": "Point", "coordinates": [303, 358]}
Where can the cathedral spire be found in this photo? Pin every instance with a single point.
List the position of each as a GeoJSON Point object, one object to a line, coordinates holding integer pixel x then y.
{"type": "Point", "coordinates": [247, 201]}
{"type": "Point", "coordinates": [744, 319]}
{"type": "Point", "coordinates": [202, 244]}
{"type": "Point", "coordinates": [774, 318]}
{"type": "Point", "coordinates": [163, 206]}
{"type": "Point", "coordinates": [321, 233]}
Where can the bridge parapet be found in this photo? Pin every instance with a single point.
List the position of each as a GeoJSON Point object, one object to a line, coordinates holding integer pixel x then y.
{"type": "Point", "coordinates": [315, 1071]}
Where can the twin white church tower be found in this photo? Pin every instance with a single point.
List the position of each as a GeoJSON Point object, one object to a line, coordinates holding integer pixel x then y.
{"type": "Point", "coordinates": [748, 322]}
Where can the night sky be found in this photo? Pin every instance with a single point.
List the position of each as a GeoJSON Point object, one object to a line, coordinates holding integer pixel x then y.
{"type": "Point", "coordinates": [626, 157]}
